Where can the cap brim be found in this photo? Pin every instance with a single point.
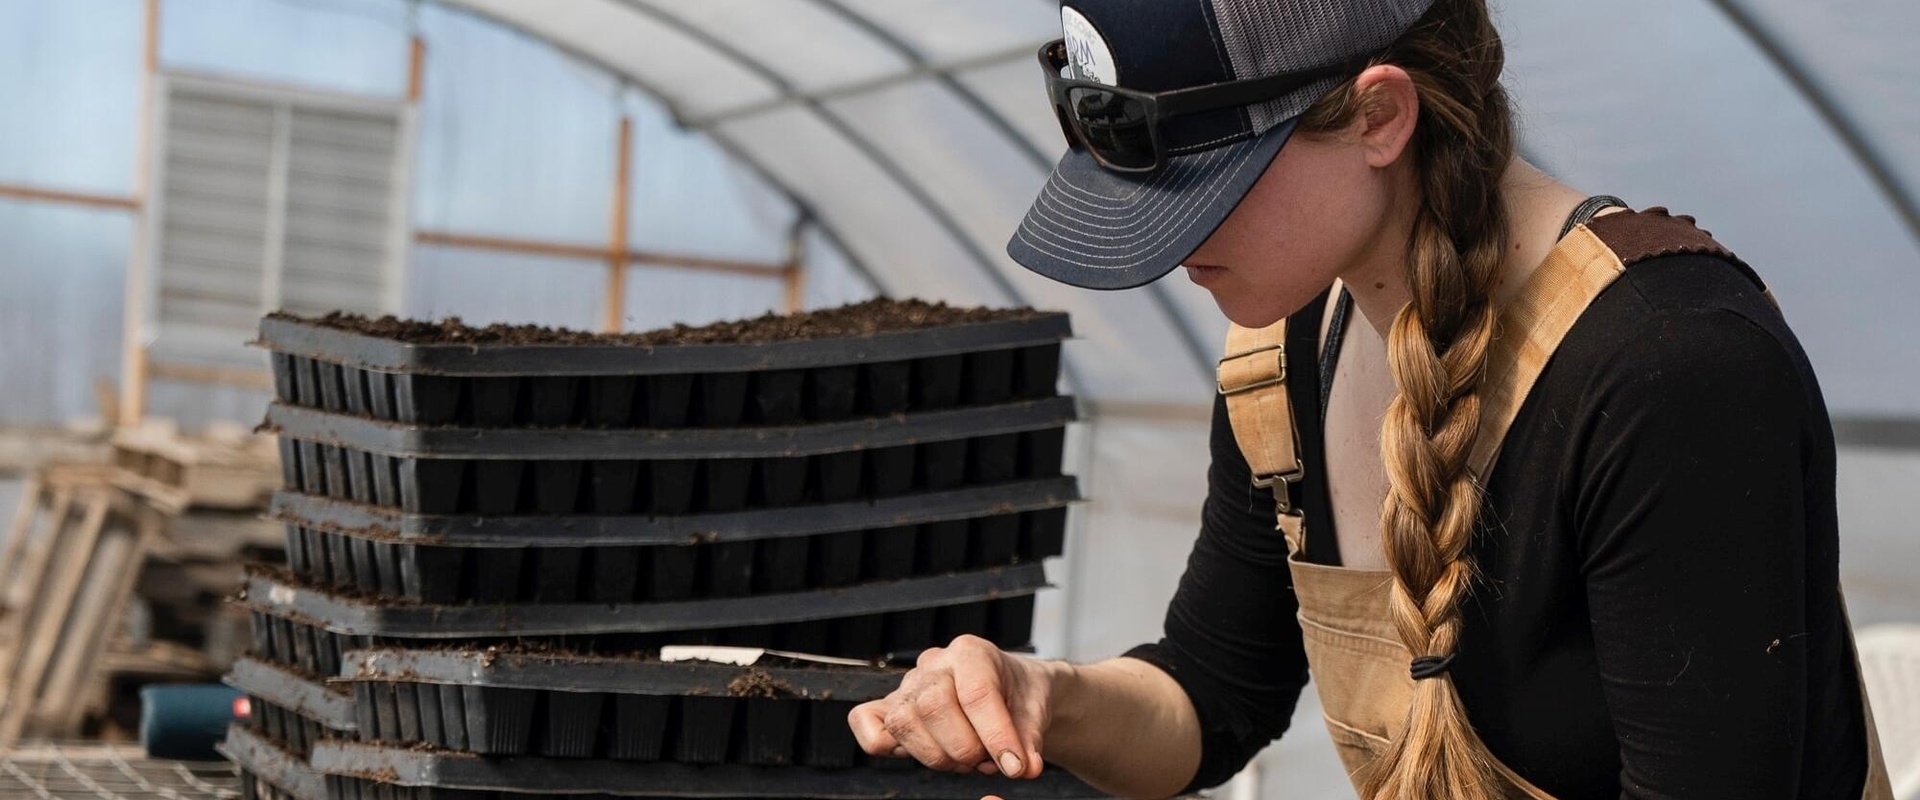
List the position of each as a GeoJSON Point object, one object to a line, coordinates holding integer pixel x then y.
{"type": "Point", "coordinates": [1099, 229]}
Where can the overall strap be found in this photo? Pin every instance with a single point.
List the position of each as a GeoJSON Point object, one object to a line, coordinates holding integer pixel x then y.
{"type": "Point", "coordinates": [1529, 330]}
{"type": "Point", "coordinates": [1253, 378]}
{"type": "Point", "coordinates": [1588, 259]}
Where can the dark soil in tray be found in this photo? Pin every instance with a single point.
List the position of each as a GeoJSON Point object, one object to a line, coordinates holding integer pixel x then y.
{"type": "Point", "coordinates": [858, 319]}
{"type": "Point", "coordinates": [367, 562]}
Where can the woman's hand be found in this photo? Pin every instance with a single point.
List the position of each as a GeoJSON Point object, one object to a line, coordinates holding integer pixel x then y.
{"type": "Point", "coordinates": [967, 707]}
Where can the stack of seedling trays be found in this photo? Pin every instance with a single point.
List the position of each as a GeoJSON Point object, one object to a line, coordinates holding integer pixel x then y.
{"type": "Point", "coordinates": [493, 532]}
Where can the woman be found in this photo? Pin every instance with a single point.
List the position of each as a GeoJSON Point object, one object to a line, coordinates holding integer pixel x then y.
{"type": "Point", "coordinates": [1564, 525]}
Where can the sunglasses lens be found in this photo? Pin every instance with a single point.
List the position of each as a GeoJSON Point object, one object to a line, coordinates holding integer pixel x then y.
{"type": "Point", "coordinates": [1114, 126]}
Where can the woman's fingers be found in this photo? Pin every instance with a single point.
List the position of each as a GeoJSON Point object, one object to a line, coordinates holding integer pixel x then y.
{"type": "Point", "coordinates": [917, 743]}
{"type": "Point", "coordinates": [965, 708]}
{"type": "Point", "coordinates": [937, 705]}
{"type": "Point", "coordinates": [917, 734]}
{"type": "Point", "coordinates": [868, 721]}
{"type": "Point", "coordinates": [1029, 721]}
{"type": "Point", "coordinates": [982, 697]}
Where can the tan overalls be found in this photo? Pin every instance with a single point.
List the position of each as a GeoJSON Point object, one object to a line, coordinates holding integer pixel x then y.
{"type": "Point", "coordinates": [1353, 651]}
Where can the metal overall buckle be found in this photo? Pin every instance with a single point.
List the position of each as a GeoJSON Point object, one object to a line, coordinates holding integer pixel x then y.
{"type": "Point", "coordinates": [1282, 486]}
{"type": "Point", "coordinates": [1280, 372]}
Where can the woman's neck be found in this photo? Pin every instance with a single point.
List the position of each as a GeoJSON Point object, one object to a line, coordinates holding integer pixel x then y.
{"type": "Point", "coordinates": [1537, 206]}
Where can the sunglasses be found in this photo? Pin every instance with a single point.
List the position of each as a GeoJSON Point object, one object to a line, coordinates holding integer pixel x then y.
{"type": "Point", "coordinates": [1120, 127]}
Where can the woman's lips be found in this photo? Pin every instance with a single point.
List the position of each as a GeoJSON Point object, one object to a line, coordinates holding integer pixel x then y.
{"type": "Point", "coordinates": [1203, 273]}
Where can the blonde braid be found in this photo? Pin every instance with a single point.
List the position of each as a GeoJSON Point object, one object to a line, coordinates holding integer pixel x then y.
{"type": "Point", "coordinates": [1437, 350]}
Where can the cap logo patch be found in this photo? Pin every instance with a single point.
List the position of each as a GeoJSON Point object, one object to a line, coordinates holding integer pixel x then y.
{"type": "Point", "coordinates": [1088, 56]}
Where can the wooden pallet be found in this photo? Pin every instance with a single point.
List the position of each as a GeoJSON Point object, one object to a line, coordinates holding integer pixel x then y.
{"type": "Point", "coordinates": [72, 558]}
{"type": "Point", "coordinates": [223, 468]}
{"type": "Point", "coordinates": [52, 500]}
{"type": "Point", "coordinates": [82, 537]}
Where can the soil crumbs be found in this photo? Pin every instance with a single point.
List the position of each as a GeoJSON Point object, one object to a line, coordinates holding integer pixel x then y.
{"type": "Point", "coordinates": [866, 318]}
{"type": "Point", "coordinates": [757, 683]}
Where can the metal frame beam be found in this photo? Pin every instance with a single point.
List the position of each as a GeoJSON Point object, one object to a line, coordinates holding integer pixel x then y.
{"type": "Point", "coordinates": [719, 138]}
{"type": "Point", "coordinates": [922, 71]}
{"type": "Point", "coordinates": [591, 252]}
{"type": "Point", "coordinates": [1852, 136]}
{"type": "Point", "coordinates": [14, 191]}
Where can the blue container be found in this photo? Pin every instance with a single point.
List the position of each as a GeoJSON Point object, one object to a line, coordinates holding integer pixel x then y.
{"type": "Point", "coordinates": [185, 721]}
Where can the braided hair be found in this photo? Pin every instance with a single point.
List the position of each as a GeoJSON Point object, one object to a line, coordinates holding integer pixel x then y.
{"type": "Point", "coordinates": [1437, 351]}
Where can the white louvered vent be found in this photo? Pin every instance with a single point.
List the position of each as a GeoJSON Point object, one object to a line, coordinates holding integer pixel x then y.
{"type": "Point", "coordinates": [267, 198]}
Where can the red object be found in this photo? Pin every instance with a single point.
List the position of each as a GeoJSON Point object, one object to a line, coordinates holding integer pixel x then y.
{"type": "Point", "coordinates": [242, 707]}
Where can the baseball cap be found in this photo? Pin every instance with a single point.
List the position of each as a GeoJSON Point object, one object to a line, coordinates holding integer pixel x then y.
{"type": "Point", "coordinates": [1104, 229]}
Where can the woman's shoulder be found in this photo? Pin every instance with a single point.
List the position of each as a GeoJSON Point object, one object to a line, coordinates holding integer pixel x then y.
{"type": "Point", "coordinates": [1640, 236]}
{"type": "Point", "coordinates": [1678, 274]}
{"type": "Point", "coordinates": [1687, 315]}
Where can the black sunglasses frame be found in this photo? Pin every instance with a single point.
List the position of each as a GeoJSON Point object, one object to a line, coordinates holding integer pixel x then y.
{"type": "Point", "coordinates": [1160, 106]}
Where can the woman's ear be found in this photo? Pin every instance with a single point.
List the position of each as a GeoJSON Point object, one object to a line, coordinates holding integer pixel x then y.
{"type": "Point", "coordinates": [1389, 111]}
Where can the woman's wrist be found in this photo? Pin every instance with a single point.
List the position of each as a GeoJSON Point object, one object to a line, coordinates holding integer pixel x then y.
{"type": "Point", "coordinates": [1122, 725]}
{"type": "Point", "coordinates": [1066, 690]}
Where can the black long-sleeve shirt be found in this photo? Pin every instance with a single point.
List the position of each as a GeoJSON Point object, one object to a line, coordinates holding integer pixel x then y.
{"type": "Point", "coordinates": [1658, 613]}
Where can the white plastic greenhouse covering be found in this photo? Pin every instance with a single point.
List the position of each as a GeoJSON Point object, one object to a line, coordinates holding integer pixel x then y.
{"type": "Point", "coordinates": [915, 131]}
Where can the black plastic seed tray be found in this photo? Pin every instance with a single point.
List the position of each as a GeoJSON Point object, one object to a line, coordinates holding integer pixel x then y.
{"type": "Point", "coordinates": [767, 397]}
{"type": "Point", "coordinates": [607, 485]}
{"type": "Point", "coordinates": [309, 628]}
{"type": "Point", "coordinates": [661, 573]}
{"type": "Point", "coordinates": [291, 710]}
{"type": "Point", "coordinates": [293, 691]}
{"type": "Point", "coordinates": [555, 566]}
{"type": "Point", "coordinates": [420, 766]}
{"type": "Point", "coordinates": [287, 729]}
{"type": "Point", "coordinates": [254, 787]}
{"type": "Point", "coordinates": [342, 787]}
{"type": "Point", "coordinates": [301, 647]}
{"type": "Point", "coordinates": [662, 386]}
{"type": "Point", "coordinates": [632, 708]}
{"type": "Point", "coordinates": [299, 644]}
{"type": "Point", "coordinates": [604, 529]}
{"type": "Point", "coordinates": [448, 558]}
{"type": "Point", "coordinates": [781, 441]}
{"type": "Point", "coordinates": [268, 772]}
{"type": "Point", "coordinates": [528, 471]}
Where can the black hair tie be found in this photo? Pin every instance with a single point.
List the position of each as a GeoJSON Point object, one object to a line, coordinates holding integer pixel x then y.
{"type": "Point", "coordinates": [1426, 667]}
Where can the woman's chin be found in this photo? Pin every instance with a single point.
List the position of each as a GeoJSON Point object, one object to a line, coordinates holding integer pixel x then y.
{"type": "Point", "coordinates": [1246, 309]}
{"type": "Point", "coordinates": [1246, 314]}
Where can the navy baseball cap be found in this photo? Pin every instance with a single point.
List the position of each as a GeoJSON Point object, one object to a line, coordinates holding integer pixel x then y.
{"type": "Point", "coordinates": [1102, 229]}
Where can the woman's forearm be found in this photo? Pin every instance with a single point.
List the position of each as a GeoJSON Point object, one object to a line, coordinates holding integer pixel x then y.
{"type": "Point", "coordinates": [1123, 726]}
